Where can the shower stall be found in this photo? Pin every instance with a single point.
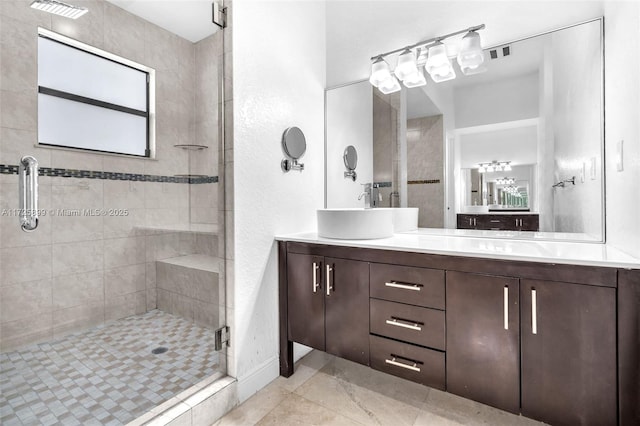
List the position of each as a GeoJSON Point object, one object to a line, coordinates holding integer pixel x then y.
{"type": "Point", "coordinates": [112, 242]}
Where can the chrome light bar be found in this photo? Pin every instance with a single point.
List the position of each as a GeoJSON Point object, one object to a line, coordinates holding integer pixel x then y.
{"type": "Point", "coordinates": [59, 8]}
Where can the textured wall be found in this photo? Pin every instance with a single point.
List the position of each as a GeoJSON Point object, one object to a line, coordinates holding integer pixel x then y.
{"type": "Point", "coordinates": [279, 82]}
{"type": "Point", "coordinates": [622, 100]}
{"type": "Point", "coordinates": [77, 272]}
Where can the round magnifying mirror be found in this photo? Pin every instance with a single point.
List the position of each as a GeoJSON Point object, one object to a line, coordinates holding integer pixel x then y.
{"type": "Point", "coordinates": [294, 143]}
{"type": "Point", "coordinates": [350, 157]}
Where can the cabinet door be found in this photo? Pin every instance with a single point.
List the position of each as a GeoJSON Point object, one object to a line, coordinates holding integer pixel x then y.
{"type": "Point", "coordinates": [347, 309]}
{"type": "Point", "coordinates": [483, 351]}
{"type": "Point", "coordinates": [568, 335]}
{"type": "Point", "coordinates": [466, 221]}
{"type": "Point", "coordinates": [306, 302]}
{"type": "Point", "coordinates": [529, 222]}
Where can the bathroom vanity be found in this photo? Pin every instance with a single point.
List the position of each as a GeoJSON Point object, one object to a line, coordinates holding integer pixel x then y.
{"type": "Point", "coordinates": [515, 325]}
{"type": "Point", "coordinates": [505, 221]}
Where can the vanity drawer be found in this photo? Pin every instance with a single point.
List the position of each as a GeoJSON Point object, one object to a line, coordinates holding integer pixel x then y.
{"type": "Point", "coordinates": [422, 326]}
{"type": "Point", "coordinates": [415, 286]}
{"type": "Point", "coordinates": [424, 366]}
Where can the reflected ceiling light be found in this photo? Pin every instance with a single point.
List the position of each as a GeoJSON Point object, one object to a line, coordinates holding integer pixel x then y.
{"type": "Point", "coordinates": [438, 64]}
{"type": "Point", "coordinates": [494, 166]}
{"type": "Point", "coordinates": [379, 71]}
{"type": "Point", "coordinates": [433, 55]}
{"type": "Point", "coordinates": [471, 55]}
{"type": "Point", "coordinates": [390, 85]}
{"type": "Point", "coordinates": [59, 8]}
{"type": "Point", "coordinates": [406, 66]}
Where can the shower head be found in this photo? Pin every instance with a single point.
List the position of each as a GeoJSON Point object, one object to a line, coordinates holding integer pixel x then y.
{"type": "Point", "coordinates": [59, 8]}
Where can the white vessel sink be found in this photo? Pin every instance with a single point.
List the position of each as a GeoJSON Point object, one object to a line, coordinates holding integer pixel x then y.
{"type": "Point", "coordinates": [355, 224]}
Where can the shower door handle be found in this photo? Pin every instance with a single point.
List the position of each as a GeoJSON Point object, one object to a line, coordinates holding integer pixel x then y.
{"type": "Point", "coordinates": [28, 190]}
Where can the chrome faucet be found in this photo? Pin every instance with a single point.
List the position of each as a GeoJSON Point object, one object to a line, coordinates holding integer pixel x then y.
{"type": "Point", "coordinates": [366, 194]}
{"type": "Point", "coordinates": [371, 194]}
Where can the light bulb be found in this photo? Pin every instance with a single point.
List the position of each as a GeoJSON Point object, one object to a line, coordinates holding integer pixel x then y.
{"type": "Point", "coordinates": [507, 167]}
{"type": "Point", "coordinates": [379, 72]}
{"type": "Point", "coordinates": [390, 85]}
{"type": "Point", "coordinates": [415, 80]}
{"type": "Point", "coordinates": [406, 66]}
{"type": "Point", "coordinates": [490, 168]}
{"type": "Point", "coordinates": [471, 54]}
{"type": "Point", "coordinates": [438, 64]}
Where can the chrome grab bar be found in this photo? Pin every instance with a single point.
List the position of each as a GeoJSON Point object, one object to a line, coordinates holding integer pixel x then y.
{"type": "Point", "coordinates": [28, 188]}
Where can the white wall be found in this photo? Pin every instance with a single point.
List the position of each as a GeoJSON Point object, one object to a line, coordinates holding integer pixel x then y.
{"type": "Point", "coordinates": [622, 101]}
{"type": "Point", "coordinates": [279, 80]}
{"type": "Point", "coordinates": [496, 102]}
{"type": "Point", "coordinates": [349, 122]}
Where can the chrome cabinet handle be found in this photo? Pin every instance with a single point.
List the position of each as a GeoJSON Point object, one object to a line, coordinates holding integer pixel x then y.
{"type": "Point", "coordinates": [506, 307]}
{"type": "Point", "coordinates": [534, 312]}
{"type": "Point", "coordinates": [495, 221]}
{"type": "Point", "coordinates": [28, 189]}
{"type": "Point", "coordinates": [329, 269]}
{"type": "Point", "coordinates": [396, 284]}
{"type": "Point", "coordinates": [412, 325]}
{"type": "Point", "coordinates": [474, 222]}
{"type": "Point", "coordinates": [393, 361]}
{"type": "Point", "coordinates": [316, 267]}
{"type": "Point", "coordinates": [470, 221]}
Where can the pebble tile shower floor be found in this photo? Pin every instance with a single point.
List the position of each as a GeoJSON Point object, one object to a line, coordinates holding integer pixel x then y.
{"type": "Point", "coordinates": [107, 375]}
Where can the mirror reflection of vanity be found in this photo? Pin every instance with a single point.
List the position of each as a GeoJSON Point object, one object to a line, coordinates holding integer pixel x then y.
{"type": "Point", "coordinates": [488, 151]}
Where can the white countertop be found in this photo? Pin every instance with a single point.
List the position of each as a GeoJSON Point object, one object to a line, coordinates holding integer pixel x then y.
{"type": "Point", "coordinates": [448, 242]}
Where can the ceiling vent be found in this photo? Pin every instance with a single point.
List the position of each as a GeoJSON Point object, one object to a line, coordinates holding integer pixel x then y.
{"type": "Point", "coordinates": [500, 52]}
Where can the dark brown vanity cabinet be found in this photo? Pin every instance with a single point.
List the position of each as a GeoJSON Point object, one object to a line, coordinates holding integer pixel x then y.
{"type": "Point", "coordinates": [328, 304]}
{"type": "Point", "coordinates": [555, 342]}
{"type": "Point", "coordinates": [568, 339]}
{"type": "Point", "coordinates": [483, 346]}
{"type": "Point", "coordinates": [545, 349]}
{"type": "Point", "coordinates": [499, 222]}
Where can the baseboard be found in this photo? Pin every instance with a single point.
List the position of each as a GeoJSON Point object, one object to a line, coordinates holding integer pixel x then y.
{"type": "Point", "coordinates": [260, 377]}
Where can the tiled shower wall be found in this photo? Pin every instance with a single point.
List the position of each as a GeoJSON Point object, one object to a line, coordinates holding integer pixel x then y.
{"type": "Point", "coordinates": [74, 272]}
{"type": "Point", "coordinates": [425, 171]}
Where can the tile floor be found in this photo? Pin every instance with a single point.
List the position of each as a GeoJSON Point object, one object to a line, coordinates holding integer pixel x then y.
{"type": "Point", "coordinates": [107, 375]}
{"type": "Point", "coordinates": [325, 390]}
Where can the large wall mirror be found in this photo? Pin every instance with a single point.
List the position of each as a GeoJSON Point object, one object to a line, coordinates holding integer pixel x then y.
{"type": "Point", "coordinates": [522, 140]}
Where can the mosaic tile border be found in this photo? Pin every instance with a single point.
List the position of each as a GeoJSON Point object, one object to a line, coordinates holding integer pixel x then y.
{"type": "Point", "coordinates": [423, 182]}
{"type": "Point", "coordinates": [411, 182]}
{"type": "Point", "coordinates": [10, 169]}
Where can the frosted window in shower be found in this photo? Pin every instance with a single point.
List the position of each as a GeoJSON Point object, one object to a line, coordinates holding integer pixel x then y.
{"type": "Point", "coordinates": [108, 130]}
{"type": "Point", "coordinates": [93, 100]}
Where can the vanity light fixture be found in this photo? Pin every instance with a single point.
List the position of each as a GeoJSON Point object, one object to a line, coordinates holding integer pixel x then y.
{"type": "Point", "coordinates": [506, 181]}
{"type": "Point", "coordinates": [494, 166]}
{"type": "Point", "coordinates": [438, 64]}
{"type": "Point", "coordinates": [433, 55]}
{"type": "Point", "coordinates": [59, 8]}
{"type": "Point", "coordinates": [471, 55]}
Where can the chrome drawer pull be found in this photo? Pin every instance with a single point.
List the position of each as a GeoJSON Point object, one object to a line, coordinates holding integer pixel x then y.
{"type": "Point", "coordinates": [395, 284]}
{"type": "Point", "coordinates": [393, 361]}
{"type": "Point", "coordinates": [329, 288]}
{"type": "Point", "coordinates": [405, 324]}
{"type": "Point", "coordinates": [495, 221]}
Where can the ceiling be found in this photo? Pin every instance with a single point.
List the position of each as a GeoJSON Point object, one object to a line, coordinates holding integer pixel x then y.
{"type": "Point", "coordinates": [190, 19]}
